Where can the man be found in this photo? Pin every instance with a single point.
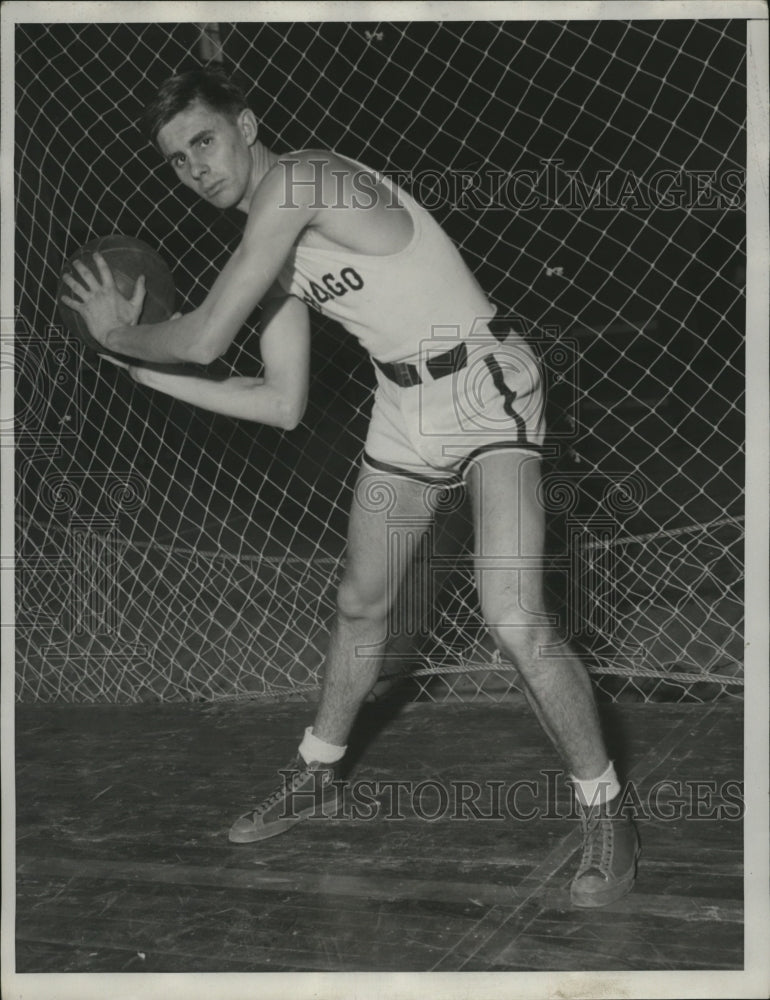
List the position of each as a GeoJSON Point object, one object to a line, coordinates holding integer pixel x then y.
{"type": "Point", "coordinates": [458, 400]}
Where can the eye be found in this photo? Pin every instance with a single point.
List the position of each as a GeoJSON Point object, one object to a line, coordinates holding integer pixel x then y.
{"type": "Point", "coordinates": [206, 141]}
{"type": "Point", "coordinates": [177, 161]}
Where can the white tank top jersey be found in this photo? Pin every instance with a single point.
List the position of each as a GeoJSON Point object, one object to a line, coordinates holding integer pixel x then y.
{"type": "Point", "coordinates": [391, 303]}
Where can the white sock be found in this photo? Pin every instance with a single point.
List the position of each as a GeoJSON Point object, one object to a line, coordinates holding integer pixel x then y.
{"type": "Point", "coordinates": [597, 791]}
{"type": "Point", "coordinates": [311, 748]}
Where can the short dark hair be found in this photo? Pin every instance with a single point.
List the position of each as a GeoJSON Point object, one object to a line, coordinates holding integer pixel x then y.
{"type": "Point", "coordinates": [209, 85]}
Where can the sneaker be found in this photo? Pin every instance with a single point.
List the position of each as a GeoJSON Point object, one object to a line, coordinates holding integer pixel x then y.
{"type": "Point", "coordinates": [610, 852]}
{"type": "Point", "coordinates": [306, 789]}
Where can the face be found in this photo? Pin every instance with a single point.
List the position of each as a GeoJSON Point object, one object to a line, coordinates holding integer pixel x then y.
{"type": "Point", "coordinates": [211, 153]}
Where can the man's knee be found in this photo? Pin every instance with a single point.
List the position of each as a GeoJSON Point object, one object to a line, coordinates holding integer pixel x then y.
{"type": "Point", "coordinates": [357, 604]}
{"type": "Point", "coordinates": [519, 641]}
{"type": "Point", "coordinates": [523, 635]}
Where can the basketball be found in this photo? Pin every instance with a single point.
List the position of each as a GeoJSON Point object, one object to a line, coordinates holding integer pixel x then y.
{"type": "Point", "coordinates": [127, 259]}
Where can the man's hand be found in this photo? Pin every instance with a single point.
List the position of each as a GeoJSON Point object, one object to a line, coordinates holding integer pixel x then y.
{"type": "Point", "coordinates": [100, 303]}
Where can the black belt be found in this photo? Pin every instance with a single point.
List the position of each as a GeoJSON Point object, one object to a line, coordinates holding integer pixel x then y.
{"type": "Point", "coordinates": [406, 375]}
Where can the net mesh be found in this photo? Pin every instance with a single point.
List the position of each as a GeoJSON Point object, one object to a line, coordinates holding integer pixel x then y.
{"type": "Point", "coordinates": [591, 174]}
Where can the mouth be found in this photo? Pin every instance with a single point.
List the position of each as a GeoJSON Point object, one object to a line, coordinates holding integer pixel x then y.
{"type": "Point", "coordinates": [209, 192]}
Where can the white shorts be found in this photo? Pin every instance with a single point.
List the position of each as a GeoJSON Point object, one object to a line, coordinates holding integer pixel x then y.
{"type": "Point", "coordinates": [435, 429]}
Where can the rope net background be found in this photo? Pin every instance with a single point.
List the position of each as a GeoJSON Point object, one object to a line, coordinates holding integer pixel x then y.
{"type": "Point", "coordinates": [592, 175]}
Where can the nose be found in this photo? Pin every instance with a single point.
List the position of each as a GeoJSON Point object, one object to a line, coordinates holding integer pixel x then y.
{"type": "Point", "coordinates": [197, 169]}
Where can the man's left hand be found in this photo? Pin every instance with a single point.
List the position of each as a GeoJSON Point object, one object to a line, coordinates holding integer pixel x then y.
{"type": "Point", "coordinates": [100, 303]}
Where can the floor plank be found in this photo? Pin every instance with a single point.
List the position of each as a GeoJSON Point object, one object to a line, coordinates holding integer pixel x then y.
{"type": "Point", "coordinates": [123, 862]}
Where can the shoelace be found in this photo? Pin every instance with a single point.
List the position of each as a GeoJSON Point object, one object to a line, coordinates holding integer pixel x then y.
{"type": "Point", "coordinates": [598, 832]}
{"type": "Point", "coordinates": [279, 793]}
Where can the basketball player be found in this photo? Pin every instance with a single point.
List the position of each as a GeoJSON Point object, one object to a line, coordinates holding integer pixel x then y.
{"type": "Point", "coordinates": [458, 401]}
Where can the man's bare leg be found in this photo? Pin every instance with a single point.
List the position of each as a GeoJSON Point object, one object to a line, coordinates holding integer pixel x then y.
{"type": "Point", "coordinates": [509, 523]}
{"type": "Point", "coordinates": [389, 517]}
{"type": "Point", "coordinates": [367, 592]}
{"type": "Point", "coordinates": [510, 535]}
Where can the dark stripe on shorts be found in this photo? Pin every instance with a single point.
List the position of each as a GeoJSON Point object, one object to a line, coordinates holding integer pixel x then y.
{"type": "Point", "coordinates": [449, 481]}
{"type": "Point", "coordinates": [499, 446]}
{"type": "Point", "coordinates": [509, 395]}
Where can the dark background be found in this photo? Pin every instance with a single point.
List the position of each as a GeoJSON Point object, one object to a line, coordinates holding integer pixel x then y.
{"type": "Point", "coordinates": [651, 298]}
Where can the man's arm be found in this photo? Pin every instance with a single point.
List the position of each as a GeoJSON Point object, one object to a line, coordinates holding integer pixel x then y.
{"type": "Point", "coordinates": [279, 397]}
{"type": "Point", "coordinates": [205, 333]}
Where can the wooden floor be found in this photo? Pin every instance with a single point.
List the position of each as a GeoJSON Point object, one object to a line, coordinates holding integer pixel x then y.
{"type": "Point", "coordinates": [124, 864]}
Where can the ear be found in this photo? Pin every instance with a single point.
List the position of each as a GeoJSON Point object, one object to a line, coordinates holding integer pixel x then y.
{"type": "Point", "coordinates": [249, 126]}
